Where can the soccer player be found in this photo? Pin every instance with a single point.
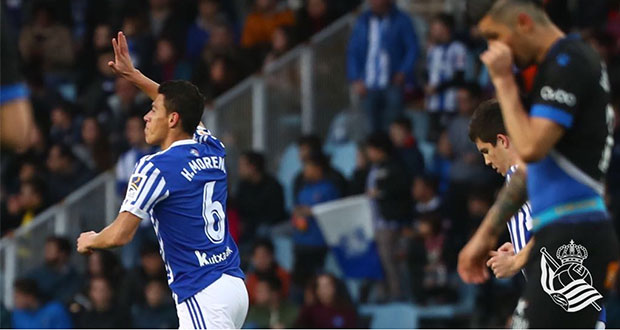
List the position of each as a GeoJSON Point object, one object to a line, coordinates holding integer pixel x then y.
{"type": "Point", "coordinates": [564, 132]}
{"type": "Point", "coordinates": [182, 190]}
{"type": "Point", "coordinates": [488, 132]}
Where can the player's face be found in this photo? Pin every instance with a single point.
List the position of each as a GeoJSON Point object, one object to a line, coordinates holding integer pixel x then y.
{"type": "Point", "coordinates": [156, 119]}
{"type": "Point", "coordinates": [495, 156]}
{"type": "Point", "coordinates": [492, 30]}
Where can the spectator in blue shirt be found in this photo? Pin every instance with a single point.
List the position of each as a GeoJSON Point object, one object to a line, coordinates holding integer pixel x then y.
{"type": "Point", "coordinates": [310, 247]}
{"type": "Point", "coordinates": [382, 52]}
{"type": "Point", "coordinates": [31, 312]}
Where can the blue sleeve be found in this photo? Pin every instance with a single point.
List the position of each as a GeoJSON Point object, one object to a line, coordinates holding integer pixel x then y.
{"type": "Point", "coordinates": [564, 83]}
{"type": "Point", "coordinates": [410, 39]}
{"type": "Point", "coordinates": [13, 92]}
{"type": "Point", "coordinates": [355, 53]}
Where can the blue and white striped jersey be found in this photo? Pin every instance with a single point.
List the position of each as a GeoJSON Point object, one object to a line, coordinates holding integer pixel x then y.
{"type": "Point", "coordinates": [183, 191]}
{"type": "Point", "coordinates": [377, 59]}
{"type": "Point", "coordinates": [442, 63]}
{"type": "Point", "coordinates": [520, 224]}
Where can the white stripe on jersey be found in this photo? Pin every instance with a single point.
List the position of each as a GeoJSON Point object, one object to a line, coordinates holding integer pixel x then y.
{"type": "Point", "coordinates": [151, 185]}
{"type": "Point", "coordinates": [520, 224]}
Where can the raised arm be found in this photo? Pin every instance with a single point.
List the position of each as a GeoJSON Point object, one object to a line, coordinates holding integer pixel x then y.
{"type": "Point", "coordinates": [123, 66]}
{"type": "Point", "coordinates": [533, 136]}
{"type": "Point", "coordinates": [472, 258]}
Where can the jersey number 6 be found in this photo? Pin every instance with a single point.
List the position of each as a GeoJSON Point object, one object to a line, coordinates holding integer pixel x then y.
{"type": "Point", "coordinates": [213, 214]}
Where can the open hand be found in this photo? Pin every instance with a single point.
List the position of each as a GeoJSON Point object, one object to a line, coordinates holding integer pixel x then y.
{"type": "Point", "coordinates": [122, 64]}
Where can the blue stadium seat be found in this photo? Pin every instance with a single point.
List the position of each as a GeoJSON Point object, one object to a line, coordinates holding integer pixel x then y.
{"type": "Point", "coordinates": [283, 246]}
{"type": "Point", "coordinates": [287, 169]}
{"type": "Point", "coordinates": [343, 157]}
{"type": "Point", "coordinates": [391, 316]}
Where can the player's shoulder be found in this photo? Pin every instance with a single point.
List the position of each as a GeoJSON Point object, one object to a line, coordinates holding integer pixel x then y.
{"type": "Point", "coordinates": [164, 158]}
{"type": "Point", "coordinates": [573, 55]}
{"type": "Point", "coordinates": [204, 137]}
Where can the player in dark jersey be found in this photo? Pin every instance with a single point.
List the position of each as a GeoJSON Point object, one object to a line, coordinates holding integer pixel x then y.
{"type": "Point", "coordinates": [16, 118]}
{"type": "Point", "coordinates": [564, 132]}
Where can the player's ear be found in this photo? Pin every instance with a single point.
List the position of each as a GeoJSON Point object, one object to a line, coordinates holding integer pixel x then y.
{"type": "Point", "coordinates": [173, 119]}
{"type": "Point", "coordinates": [524, 22]}
{"type": "Point", "coordinates": [503, 140]}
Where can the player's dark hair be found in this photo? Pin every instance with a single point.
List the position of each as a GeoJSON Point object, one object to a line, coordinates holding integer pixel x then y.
{"type": "Point", "coordinates": [27, 286]}
{"type": "Point", "coordinates": [380, 141]}
{"type": "Point", "coordinates": [61, 243]}
{"type": "Point", "coordinates": [487, 122]}
{"type": "Point", "coordinates": [185, 99]}
{"type": "Point", "coordinates": [312, 141]}
{"type": "Point", "coordinates": [255, 159]}
{"type": "Point", "coordinates": [403, 122]}
{"type": "Point", "coordinates": [264, 243]}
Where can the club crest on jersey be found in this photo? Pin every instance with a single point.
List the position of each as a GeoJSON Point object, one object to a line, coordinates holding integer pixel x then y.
{"type": "Point", "coordinates": [135, 183]}
{"type": "Point", "coordinates": [570, 284]}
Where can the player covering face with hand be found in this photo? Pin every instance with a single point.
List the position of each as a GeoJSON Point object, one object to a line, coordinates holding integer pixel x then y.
{"type": "Point", "coordinates": [182, 190]}
{"type": "Point", "coordinates": [563, 131]}
{"type": "Point", "coordinates": [487, 131]}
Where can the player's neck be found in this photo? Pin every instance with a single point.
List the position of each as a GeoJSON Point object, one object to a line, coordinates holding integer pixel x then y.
{"type": "Point", "coordinates": [172, 138]}
{"type": "Point", "coordinates": [548, 38]}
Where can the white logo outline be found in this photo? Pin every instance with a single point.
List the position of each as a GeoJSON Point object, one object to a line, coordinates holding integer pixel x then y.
{"type": "Point", "coordinates": [578, 293]}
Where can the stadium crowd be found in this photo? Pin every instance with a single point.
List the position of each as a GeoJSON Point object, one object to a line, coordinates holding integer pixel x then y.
{"type": "Point", "coordinates": [425, 207]}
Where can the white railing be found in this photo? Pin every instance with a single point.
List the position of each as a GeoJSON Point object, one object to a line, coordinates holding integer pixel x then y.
{"type": "Point", "coordinates": [301, 92]}
{"type": "Point", "coordinates": [89, 208]}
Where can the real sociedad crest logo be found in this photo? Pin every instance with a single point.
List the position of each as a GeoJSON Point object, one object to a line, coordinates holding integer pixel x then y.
{"type": "Point", "coordinates": [568, 284]}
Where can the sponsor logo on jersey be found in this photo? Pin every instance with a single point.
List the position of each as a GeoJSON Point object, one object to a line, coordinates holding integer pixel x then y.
{"type": "Point", "coordinates": [558, 95]}
{"type": "Point", "coordinates": [205, 260]}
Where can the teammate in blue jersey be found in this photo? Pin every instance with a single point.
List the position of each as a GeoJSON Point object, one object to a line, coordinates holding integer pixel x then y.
{"type": "Point", "coordinates": [182, 190]}
{"type": "Point", "coordinates": [563, 131]}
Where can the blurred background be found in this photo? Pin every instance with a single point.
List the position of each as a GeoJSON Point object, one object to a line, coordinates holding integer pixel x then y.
{"type": "Point", "coordinates": [316, 101]}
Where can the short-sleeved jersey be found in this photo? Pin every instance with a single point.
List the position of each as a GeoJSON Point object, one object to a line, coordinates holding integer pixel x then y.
{"type": "Point", "coordinates": [571, 89]}
{"type": "Point", "coordinates": [183, 191]}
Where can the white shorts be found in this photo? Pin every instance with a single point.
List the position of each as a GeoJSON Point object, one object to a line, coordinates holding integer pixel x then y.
{"type": "Point", "coordinates": [221, 305]}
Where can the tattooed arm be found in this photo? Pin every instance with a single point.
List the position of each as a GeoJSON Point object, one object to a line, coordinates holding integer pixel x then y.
{"type": "Point", "coordinates": [472, 258]}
